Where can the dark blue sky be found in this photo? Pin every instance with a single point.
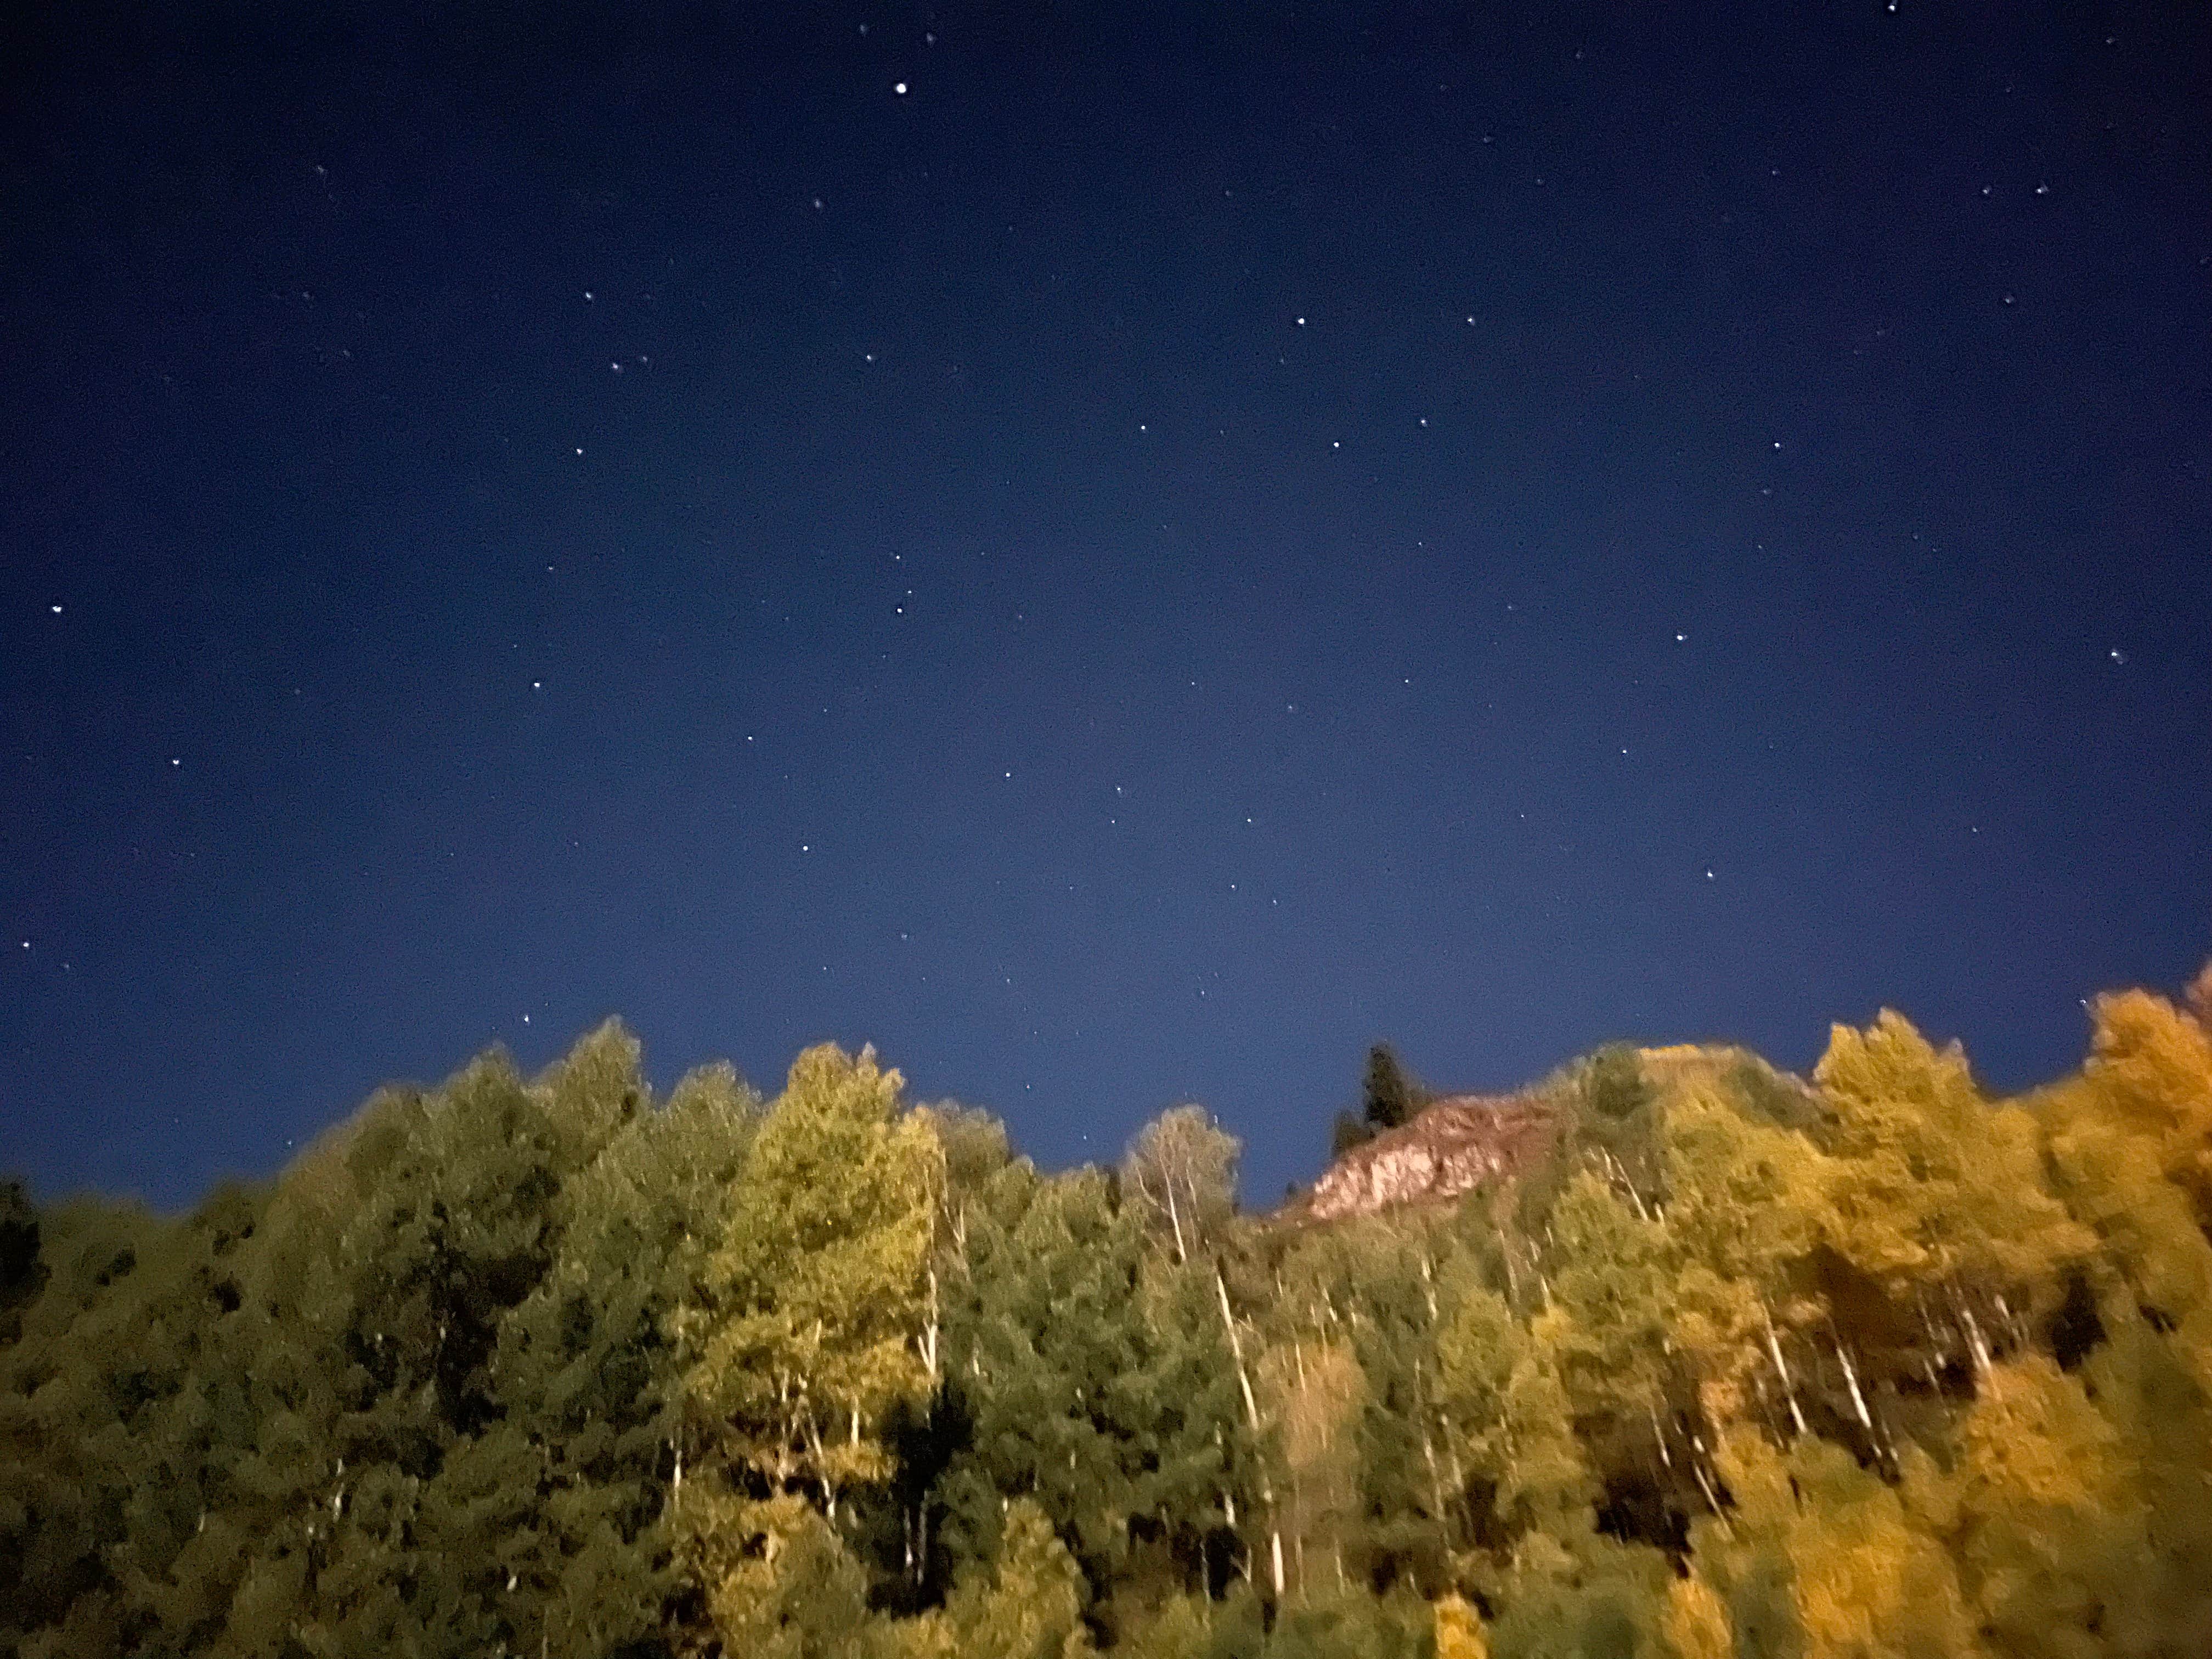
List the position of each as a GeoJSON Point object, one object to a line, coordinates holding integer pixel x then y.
{"type": "Point", "coordinates": [1187, 541]}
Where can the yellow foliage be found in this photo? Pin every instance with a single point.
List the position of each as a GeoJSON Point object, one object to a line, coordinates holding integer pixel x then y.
{"type": "Point", "coordinates": [2042, 1509]}
{"type": "Point", "coordinates": [2130, 1138]}
{"type": "Point", "coordinates": [1695, 1622]}
{"type": "Point", "coordinates": [1930, 1182]}
{"type": "Point", "coordinates": [2032, 1437]}
{"type": "Point", "coordinates": [1744, 1206]}
{"type": "Point", "coordinates": [1459, 1630]}
{"type": "Point", "coordinates": [1315, 1392]}
{"type": "Point", "coordinates": [1864, 1581]}
{"type": "Point", "coordinates": [818, 1287]}
{"type": "Point", "coordinates": [1031, 1605]}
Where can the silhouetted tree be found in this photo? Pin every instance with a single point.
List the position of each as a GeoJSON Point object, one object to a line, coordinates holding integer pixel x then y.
{"type": "Point", "coordinates": [1390, 1094]}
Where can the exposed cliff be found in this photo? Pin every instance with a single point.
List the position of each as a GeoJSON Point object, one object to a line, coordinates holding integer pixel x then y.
{"type": "Point", "coordinates": [1450, 1148]}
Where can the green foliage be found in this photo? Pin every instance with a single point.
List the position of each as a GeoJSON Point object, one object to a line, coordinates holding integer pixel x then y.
{"type": "Point", "coordinates": [1088, 1371]}
{"type": "Point", "coordinates": [1614, 1088]}
{"type": "Point", "coordinates": [1877, 1366]}
{"type": "Point", "coordinates": [805, 1333]}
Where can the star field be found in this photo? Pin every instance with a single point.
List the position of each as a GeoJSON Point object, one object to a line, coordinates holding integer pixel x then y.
{"type": "Point", "coordinates": [1118, 554]}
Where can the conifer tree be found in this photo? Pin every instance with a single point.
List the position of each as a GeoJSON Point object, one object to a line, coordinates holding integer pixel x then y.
{"type": "Point", "coordinates": [1091, 1372]}
{"type": "Point", "coordinates": [1389, 1094]}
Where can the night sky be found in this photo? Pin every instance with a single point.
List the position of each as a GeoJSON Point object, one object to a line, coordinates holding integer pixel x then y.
{"type": "Point", "coordinates": [1119, 554]}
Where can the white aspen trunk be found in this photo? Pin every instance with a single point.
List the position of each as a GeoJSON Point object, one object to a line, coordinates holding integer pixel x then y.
{"type": "Point", "coordinates": [1236, 1352]}
{"type": "Point", "coordinates": [1190, 1186]}
{"type": "Point", "coordinates": [1252, 1415]}
{"type": "Point", "coordinates": [1782, 1367]}
{"type": "Point", "coordinates": [1712, 1498]}
{"type": "Point", "coordinates": [929, 1336]}
{"type": "Point", "coordinates": [1974, 1340]}
{"type": "Point", "coordinates": [1620, 1175]}
{"type": "Point", "coordinates": [1851, 1378]}
{"type": "Point", "coordinates": [1228, 1498]}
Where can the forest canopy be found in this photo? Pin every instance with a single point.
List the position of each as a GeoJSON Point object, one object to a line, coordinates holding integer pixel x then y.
{"type": "Point", "coordinates": [1867, 1365]}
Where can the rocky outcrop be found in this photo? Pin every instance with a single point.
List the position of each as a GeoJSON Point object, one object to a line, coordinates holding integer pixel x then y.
{"type": "Point", "coordinates": [1455, 1145]}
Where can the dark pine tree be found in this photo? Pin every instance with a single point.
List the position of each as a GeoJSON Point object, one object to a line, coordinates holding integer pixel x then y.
{"type": "Point", "coordinates": [1392, 1095]}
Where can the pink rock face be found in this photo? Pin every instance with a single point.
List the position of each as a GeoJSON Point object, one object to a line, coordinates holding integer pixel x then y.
{"type": "Point", "coordinates": [1454, 1147]}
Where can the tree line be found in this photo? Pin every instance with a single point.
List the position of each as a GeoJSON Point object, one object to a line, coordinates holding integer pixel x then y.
{"type": "Point", "coordinates": [1865, 1365]}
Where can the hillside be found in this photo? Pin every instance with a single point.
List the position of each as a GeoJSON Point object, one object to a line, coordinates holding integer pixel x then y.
{"type": "Point", "coordinates": [1669, 1354]}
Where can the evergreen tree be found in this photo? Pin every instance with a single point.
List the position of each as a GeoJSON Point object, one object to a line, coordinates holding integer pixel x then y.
{"type": "Point", "coordinates": [1091, 1374]}
{"type": "Point", "coordinates": [1389, 1094]}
